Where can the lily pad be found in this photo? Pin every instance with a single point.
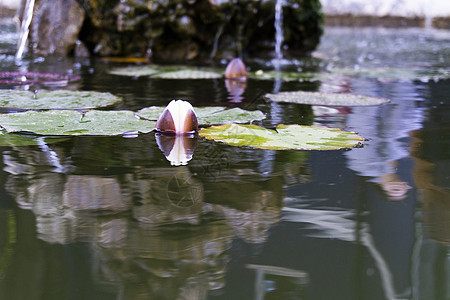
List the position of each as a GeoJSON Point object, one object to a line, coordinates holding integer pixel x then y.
{"type": "Point", "coordinates": [233, 115]}
{"type": "Point", "coordinates": [168, 72]}
{"type": "Point", "coordinates": [285, 137]}
{"type": "Point", "coordinates": [285, 76]}
{"type": "Point", "coordinates": [70, 122]}
{"type": "Point", "coordinates": [400, 74]}
{"type": "Point", "coordinates": [126, 59]}
{"type": "Point", "coordinates": [330, 99]}
{"type": "Point", "coordinates": [135, 71]}
{"type": "Point", "coordinates": [59, 99]}
{"type": "Point", "coordinates": [209, 115]}
{"type": "Point", "coordinates": [189, 74]}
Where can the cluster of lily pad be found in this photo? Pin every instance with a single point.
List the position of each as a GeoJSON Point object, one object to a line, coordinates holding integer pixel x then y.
{"type": "Point", "coordinates": [68, 113]}
{"type": "Point", "coordinates": [382, 74]}
{"type": "Point", "coordinates": [64, 113]}
{"type": "Point", "coordinates": [55, 115]}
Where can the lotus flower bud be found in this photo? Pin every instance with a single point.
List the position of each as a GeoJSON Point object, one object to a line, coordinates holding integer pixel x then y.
{"type": "Point", "coordinates": [177, 118]}
{"type": "Point", "coordinates": [178, 149]}
{"type": "Point", "coordinates": [236, 70]}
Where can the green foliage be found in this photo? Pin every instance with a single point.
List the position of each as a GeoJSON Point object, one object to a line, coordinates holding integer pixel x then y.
{"type": "Point", "coordinates": [209, 115]}
{"type": "Point", "coordinates": [59, 99]}
{"type": "Point", "coordinates": [285, 137]}
{"type": "Point", "coordinates": [70, 122]}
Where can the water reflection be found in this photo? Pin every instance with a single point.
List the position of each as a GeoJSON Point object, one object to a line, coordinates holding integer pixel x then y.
{"type": "Point", "coordinates": [153, 231]}
{"type": "Point", "coordinates": [431, 173]}
{"type": "Point", "coordinates": [387, 246]}
{"type": "Point", "coordinates": [164, 265]}
{"type": "Point", "coordinates": [235, 90]}
{"type": "Point", "coordinates": [268, 277]}
{"type": "Point", "coordinates": [387, 127]}
{"type": "Point", "coordinates": [178, 149]}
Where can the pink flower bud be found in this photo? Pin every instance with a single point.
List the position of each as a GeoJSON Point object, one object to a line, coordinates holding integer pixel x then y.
{"type": "Point", "coordinates": [236, 70]}
{"type": "Point", "coordinates": [177, 118]}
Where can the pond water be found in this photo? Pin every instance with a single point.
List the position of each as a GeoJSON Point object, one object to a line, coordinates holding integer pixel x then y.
{"type": "Point", "coordinates": [111, 218]}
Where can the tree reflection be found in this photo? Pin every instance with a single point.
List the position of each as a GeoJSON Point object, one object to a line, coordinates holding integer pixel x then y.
{"type": "Point", "coordinates": [154, 231]}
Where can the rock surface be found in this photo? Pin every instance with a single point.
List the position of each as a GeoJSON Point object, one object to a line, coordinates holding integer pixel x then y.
{"type": "Point", "coordinates": [174, 31]}
{"type": "Point", "coordinates": [55, 26]}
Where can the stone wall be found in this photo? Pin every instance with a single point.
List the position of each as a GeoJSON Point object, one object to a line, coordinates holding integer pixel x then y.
{"type": "Point", "coordinates": [173, 31]}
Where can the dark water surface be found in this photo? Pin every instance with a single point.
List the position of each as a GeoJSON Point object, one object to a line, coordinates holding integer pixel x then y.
{"type": "Point", "coordinates": [110, 218]}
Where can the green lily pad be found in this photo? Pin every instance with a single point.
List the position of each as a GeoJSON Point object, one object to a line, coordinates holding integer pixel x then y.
{"type": "Point", "coordinates": [233, 115]}
{"type": "Point", "coordinates": [135, 71]}
{"type": "Point", "coordinates": [285, 76]}
{"type": "Point", "coordinates": [59, 99]}
{"type": "Point", "coordinates": [189, 74]}
{"type": "Point", "coordinates": [209, 115]}
{"type": "Point", "coordinates": [330, 99]}
{"type": "Point", "coordinates": [400, 74]}
{"type": "Point", "coordinates": [168, 72]}
{"type": "Point", "coordinates": [96, 122]}
{"type": "Point", "coordinates": [285, 137]}
{"type": "Point", "coordinates": [70, 122]}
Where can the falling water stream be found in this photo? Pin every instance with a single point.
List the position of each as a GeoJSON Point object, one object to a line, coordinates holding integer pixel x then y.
{"type": "Point", "coordinates": [279, 37]}
{"type": "Point", "coordinates": [279, 34]}
{"type": "Point", "coordinates": [25, 28]}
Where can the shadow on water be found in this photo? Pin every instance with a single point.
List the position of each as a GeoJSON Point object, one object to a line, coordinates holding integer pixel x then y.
{"type": "Point", "coordinates": [110, 217]}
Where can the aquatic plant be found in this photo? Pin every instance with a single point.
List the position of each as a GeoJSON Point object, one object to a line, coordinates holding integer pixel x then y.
{"type": "Point", "coordinates": [179, 118]}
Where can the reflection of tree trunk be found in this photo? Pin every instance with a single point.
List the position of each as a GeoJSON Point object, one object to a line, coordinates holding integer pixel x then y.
{"type": "Point", "coordinates": [26, 264]}
{"type": "Point", "coordinates": [436, 199]}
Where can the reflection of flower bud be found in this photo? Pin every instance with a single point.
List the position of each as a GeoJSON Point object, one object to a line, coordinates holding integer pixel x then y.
{"type": "Point", "coordinates": [177, 118]}
{"type": "Point", "coordinates": [236, 70]}
{"type": "Point", "coordinates": [177, 149]}
{"type": "Point", "coordinates": [235, 89]}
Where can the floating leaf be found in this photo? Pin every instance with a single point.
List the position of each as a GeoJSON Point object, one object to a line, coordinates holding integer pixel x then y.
{"type": "Point", "coordinates": [401, 74]}
{"type": "Point", "coordinates": [209, 115]}
{"type": "Point", "coordinates": [128, 59]}
{"type": "Point", "coordinates": [168, 72]}
{"type": "Point", "coordinates": [317, 98]}
{"type": "Point", "coordinates": [115, 122]}
{"type": "Point", "coordinates": [285, 137]}
{"type": "Point", "coordinates": [285, 76]}
{"type": "Point", "coordinates": [233, 115]}
{"type": "Point", "coordinates": [59, 99]}
{"type": "Point", "coordinates": [69, 122]}
{"type": "Point", "coordinates": [135, 71]}
{"type": "Point", "coordinates": [189, 74]}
